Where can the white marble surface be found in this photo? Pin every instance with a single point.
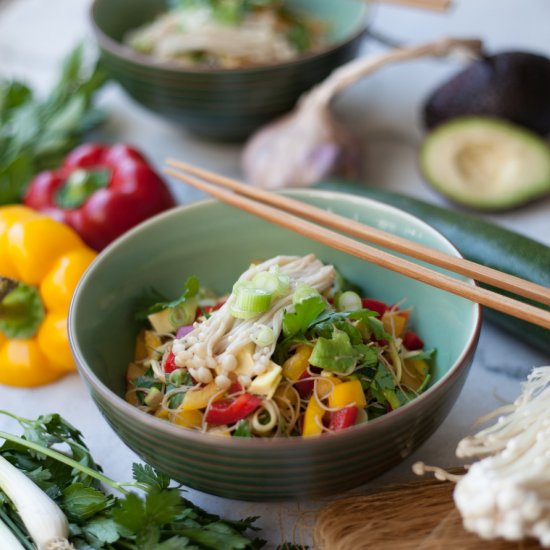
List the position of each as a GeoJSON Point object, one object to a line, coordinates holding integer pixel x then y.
{"type": "Point", "coordinates": [34, 35]}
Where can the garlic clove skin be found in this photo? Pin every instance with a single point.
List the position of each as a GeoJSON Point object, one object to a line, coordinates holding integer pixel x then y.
{"type": "Point", "coordinates": [44, 520]}
{"type": "Point", "coordinates": [300, 149]}
{"type": "Point", "coordinates": [7, 539]}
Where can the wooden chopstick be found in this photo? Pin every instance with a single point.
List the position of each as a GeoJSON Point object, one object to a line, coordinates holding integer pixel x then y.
{"type": "Point", "coordinates": [435, 5]}
{"type": "Point", "coordinates": [462, 266]}
{"type": "Point", "coordinates": [363, 251]}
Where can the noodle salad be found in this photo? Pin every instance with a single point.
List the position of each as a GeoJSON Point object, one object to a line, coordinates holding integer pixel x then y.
{"type": "Point", "coordinates": [227, 33]}
{"type": "Point", "coordinates": [291, 351]}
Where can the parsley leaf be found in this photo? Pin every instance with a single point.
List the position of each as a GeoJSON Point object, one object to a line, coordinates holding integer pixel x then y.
{"type": "Point", "coordinates": [305, 312]}
{"type": "Point", "coordinates": [190, 290]}
{"type": "Point", "coordinates": [336, 354]}
{"type": "Point", "coordinates": [82, 502]}
{"type": "Point", "coordinates": [147, 475]}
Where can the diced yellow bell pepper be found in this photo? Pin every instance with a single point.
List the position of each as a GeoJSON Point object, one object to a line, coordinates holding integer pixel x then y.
{"type": "Point", "coordinates": [198, 398]}
{"type": "Point", "coordinates": [347, 393]}
{"type": "Point", "coordinates": [313, 418]}
{"type": "Point", "coordinates": [147, 345]}
{"type": "Point", "coordinates": [162, 413]}
{"type": "Point", "coordinates": [395, 322]}
{"type": "Point", "coordinates": [48, 258]}
{"type": "Point", "coordinates": [135, 370]}
{"type": "Point", "coordinates": [297, 364]}
{"type": "Point", "coordinates": [187, 419]}
{"type": "Point", "coordinates": [325, 384]}
{"type": "Point", "coordinates": [414, 372]}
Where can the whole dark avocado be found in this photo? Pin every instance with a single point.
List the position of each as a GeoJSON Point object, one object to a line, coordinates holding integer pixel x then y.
{"type": "Point", "coordinates": [510, 85]}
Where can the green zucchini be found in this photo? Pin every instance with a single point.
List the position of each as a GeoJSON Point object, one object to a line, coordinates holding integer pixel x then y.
{"type": "Point", "coordinates": [482, 242]}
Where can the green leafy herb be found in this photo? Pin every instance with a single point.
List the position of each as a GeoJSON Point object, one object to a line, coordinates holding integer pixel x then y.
{"type": "Point", "coordinates": [305, 312]}
{"type": "Point", "coordinates": [243, 429]}
{"type": "Point", "coordinates": [35, 135]}
{"type": "Point", "coordinates": [190, 290]}
{"type": "Point", "coordinates": [337, 353]}
{"type": "Point", "coordinates": [159, 518]}
{"type": "Point", "coordinates": [425, 354]}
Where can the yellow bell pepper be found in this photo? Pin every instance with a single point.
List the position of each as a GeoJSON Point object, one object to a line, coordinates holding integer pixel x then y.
{"type": "Point", "coordinates": [394, 322]}
{"type": "Point", "coordinates": [187, 419]}
{"type": "Point", "coordinates": [347, 393]}
{"type": "Point", "coordinates": [199, 398]}
{"type": "Point", "coordinates": [297, 364]}
{"type": "Point", "coordinates": [414, 373]}
{"type": "Point", "coordinates": [46, 258]}
{"type": "Point", "coordinates": [313, 418]}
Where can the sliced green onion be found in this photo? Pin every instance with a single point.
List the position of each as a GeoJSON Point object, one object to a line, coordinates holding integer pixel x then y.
{"type": "Point", "coordinates": [303, 292]}
{"type": "Point", "coordinates": [263, 336]}
{"type": "Point", "coordinates": [249, 301]}
{"type": "Point", "coordinates": [176, 377]}
{"type": "Point", "coordinates": [277, 284]}
{"type": "Point", "coordinates": [184, 313]}
{"type": "Point", "coordinates": [349, 301]}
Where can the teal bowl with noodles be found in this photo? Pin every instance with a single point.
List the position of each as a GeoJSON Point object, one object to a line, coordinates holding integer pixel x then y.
{"type": "Point", "coordinates": [217, 243]}
{"type": "Point", "coordinates": [223, 104]}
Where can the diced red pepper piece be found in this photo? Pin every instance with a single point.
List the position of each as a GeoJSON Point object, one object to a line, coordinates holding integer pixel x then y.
{"type": "Point", "coordinates": [343, 418]}
{"type": "Point", "coordinates": [375, 305]}
{"type": "Point", "coordinates": [170, 363]}
{"type": "Point", "coordinates": [412, 341]}
{"type": "Point", "coordinates": [304, 387]}
{"type": "Point", "coordinates": [235, 388]}
{"type": "Point", "coordinates": [229, 411]}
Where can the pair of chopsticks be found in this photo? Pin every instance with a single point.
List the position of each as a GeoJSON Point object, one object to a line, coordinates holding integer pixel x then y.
{"type": "Point", "coordinates": [434, 5]}
{"type": "Point", "coordinates": [290, 213]}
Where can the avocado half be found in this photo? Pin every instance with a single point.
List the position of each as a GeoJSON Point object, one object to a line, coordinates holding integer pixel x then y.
{"type": "Point", "coordinates": [486, 163]}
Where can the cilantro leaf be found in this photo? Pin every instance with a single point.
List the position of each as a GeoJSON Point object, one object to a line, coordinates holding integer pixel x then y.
{"type": "Point", "coordinates": [305, 312]}
{"type": "Point", "coordinates": [336, 354]}
{"type": "Point", "coordinates": [190, 290]}
{"type": "Point", "coordinates": [147, 475]}
{"type": "Point", "coordinates": [81, 502]}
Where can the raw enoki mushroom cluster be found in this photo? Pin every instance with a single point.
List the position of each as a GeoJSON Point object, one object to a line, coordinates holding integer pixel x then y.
{"type": "Point", "coordinates": [507, 493]}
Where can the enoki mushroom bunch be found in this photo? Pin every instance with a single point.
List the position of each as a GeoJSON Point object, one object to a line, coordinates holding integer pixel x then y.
{"type": "Point", "coordinates": [507, 493]}
{"type": "Point", "coordinates": [209, 351]}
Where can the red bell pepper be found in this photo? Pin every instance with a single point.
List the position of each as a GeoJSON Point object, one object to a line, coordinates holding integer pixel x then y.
{"type": "Point", "coordinates": [343, 418]}
{"type": "Point", "coordinates": [170, 363]}
{"type": "Point", "coordinates": [305, 384]}
{"type": "Point", "coordinates": [229, 411]}
{"type": "Point", "coordinates": [101, 191]}
{"type": "Point", "coordinates": [412, 341]}
{"type": "Point", "coordinates": [374, 305]}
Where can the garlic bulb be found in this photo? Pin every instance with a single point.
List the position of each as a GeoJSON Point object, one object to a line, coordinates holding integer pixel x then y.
{"type": "Point", "coordinates": [507, 493]}
{"type": "Point", "coordinates": [309, 143]}
{"type": "Point", "coordinates": [44, 520]}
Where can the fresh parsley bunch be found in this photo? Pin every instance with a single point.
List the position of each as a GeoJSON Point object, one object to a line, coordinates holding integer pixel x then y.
{"type": "Point", "coordinates": [52, 453]}
{"type": "Point", "coordinates": [36, 134]}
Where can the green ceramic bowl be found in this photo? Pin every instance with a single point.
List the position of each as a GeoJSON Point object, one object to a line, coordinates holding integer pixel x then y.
{"type": "Point", "coordinates": [216, 243]}
{"type": "Point", "coordinates": [224, 104]}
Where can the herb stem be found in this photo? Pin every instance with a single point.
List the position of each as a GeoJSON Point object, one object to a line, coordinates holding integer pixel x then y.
{"type": "Point", "coordinates": [56, 455]}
